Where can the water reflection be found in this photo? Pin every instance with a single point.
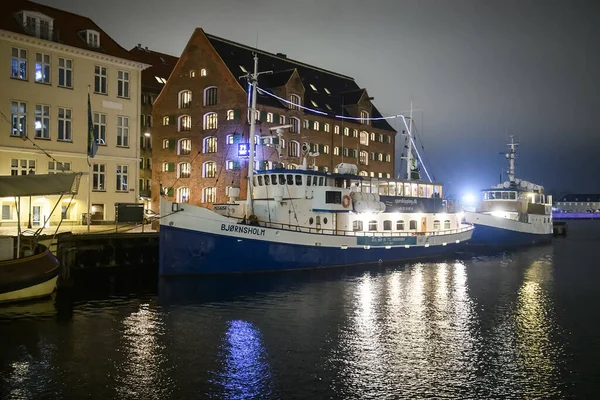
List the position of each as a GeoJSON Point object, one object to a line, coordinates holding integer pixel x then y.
{"type": "Point", "coordinates": [411, 328]}
{"type": "Point", "coordinates": [535, 322]}
{"type": "Point", "coordinates": [246, 373]}
{"type": "Point", "coordinates": [143, 369]}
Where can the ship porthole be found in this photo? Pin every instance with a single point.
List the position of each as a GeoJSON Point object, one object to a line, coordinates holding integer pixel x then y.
{"type": "Point", "coordinates": [310, 221]}
{"type": "Point", "coordinates": [325, 220]}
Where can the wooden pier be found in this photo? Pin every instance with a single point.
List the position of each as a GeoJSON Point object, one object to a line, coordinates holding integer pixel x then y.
{"type": "Point", "coordinates": [105, 250]}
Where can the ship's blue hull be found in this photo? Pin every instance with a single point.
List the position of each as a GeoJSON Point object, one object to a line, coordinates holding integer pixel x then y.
{"type": "Point", "coordinates": [184, 251]}
{"type": "Point", "coordinates": [485, 235]}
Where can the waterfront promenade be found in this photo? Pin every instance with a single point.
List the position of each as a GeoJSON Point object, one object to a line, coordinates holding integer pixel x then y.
{"type": "Point", "coordinates": [79, 229]}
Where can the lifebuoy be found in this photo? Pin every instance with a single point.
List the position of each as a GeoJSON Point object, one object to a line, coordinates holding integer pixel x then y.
{"type": "Point", "coordinates": [346, 201]}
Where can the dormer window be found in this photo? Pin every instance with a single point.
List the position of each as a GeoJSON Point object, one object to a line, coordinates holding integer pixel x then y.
{"type": "Point", "coordinates": [92, 38]}
{"type": "Point", "coordinates": [364, 117]}
{"type": "Point", "coordinates": [38, 25]}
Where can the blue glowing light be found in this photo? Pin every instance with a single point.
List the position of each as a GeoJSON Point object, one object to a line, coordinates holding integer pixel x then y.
{"type": "Point", "coordinates": [243, 150]}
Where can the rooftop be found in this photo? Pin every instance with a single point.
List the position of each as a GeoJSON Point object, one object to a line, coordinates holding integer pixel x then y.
{"type": "Point", "coordinates": [161, 67]}
{"type": "Point", "coordinates": [49, 23]}
{"type": "Point", "coordinates": [326, 91]}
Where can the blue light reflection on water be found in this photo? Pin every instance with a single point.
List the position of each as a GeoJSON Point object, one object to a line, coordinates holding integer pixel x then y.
{"type": "Point", "coordinates": [245, 373]}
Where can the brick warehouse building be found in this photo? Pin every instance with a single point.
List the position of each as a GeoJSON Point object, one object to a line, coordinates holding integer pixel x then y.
{"type": "Point", "coordinates": [202, 115]}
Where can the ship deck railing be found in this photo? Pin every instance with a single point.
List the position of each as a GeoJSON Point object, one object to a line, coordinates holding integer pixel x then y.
{"type": "Point", "coordinates": [339, 232]}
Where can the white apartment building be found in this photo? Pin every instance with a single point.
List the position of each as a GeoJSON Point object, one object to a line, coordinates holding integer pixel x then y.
{"type": "Point", "coordinates": [49, 61]}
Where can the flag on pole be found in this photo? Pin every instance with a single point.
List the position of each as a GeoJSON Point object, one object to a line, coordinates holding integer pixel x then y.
{"type": "Point", "coordinates": [92, 145]}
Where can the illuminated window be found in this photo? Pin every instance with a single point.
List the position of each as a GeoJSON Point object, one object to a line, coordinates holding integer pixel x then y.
{"type": "Point", "coordinates": [192, 73]}
{"type": "Point", "coordinates": [269, 117]}
{"type": "Point", "coordinates": [336, 129]}
{"type": "Point", "coordinates": [229, 139]}
{"type": "Point", "coordinates": [364, 138]}
{"type": "Point", "coordinates": [327, 91]}
{"type": "Point", "coordinates": [363, 158]}
{"type": "Point", "coordinates": [295, 102]}
{"type": "Point", "coordinates": [165, 120]}
{"type": "Point", "coordinates": [184, 170]}
{"type": "Point", "coordinates": [282, 119]}
{"type": "Point", "coordinates": [19, 63]}
{"type": "Point", "coordinates": [313, 87]}
{"type": "Point", "coordinates": [203, 72]}
{"type": "Point", "coordinates": [230, 115]}
{"type": "Point", "coordinates": [184, 147]}
{"type": "Point", "coordinates": [185, 99]}
{"type": "Point", "coordinates": [210, 120]}
{"type": "Point", "coordinates": [305, 124]}
{"type": "Point", "coordinates": [336, 151]}
{"type": "Point", "coordinates": [316, 125]}
{"type": "Point", "coordinates": [183, 195]}
{"type": "Point", "coordinates": [209, 145]}
{"type": "Point", "coordinates": [185, 123]}
{"type": "Point", "coordinates": [42, 68]}
{"type": "Point", "coordinates": [326, 127]}
{"type": "Point", "coordinates": [346, 131]}
{"type": "Point", "coordinates": [209, 169]}
{"type": "Point", "coordinates": [209, 195]}
{"type": "Point", "coordinates": [364, 117]}
{"type": "Point", "coordinates": [388, 158]}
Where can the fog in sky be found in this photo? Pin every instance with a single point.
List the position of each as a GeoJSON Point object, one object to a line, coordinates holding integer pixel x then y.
{"type": "Point", "coordinates": [478, 70]}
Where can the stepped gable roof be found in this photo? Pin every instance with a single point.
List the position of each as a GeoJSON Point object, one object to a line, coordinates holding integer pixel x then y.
{"type": "Point", "coordinates": [331, 88]}
{"type": "Point", "coordinates": [67, 27]}
{"type": "Point", "coordinates": [161, 66]}
{"type": "Point", "coordinates": [578, 197]}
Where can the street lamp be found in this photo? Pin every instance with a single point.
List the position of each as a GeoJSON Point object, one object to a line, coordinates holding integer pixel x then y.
{"type": "Point", "coordinates": [31, 172]}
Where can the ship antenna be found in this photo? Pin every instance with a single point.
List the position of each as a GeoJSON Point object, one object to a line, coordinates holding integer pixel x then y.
{"type": "Point", "coordinates": [511, 158]}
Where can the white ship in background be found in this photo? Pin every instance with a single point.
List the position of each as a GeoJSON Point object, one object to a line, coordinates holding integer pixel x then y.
{"type": "Point", "coordinates": [514, 213]}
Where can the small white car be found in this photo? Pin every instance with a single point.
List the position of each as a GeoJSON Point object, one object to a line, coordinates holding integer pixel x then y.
{"type": "Point", "coordinates": [150, 216]}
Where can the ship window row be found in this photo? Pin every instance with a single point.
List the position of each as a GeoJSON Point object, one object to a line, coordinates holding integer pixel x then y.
{"type": "Point", "coordinates": [373, 225]}
{"type": "Point", "coordinates": [503, 195]}
{"type": "Point", "coordinates": [288, 179]}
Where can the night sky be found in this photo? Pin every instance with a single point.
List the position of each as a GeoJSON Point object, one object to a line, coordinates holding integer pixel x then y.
{"type": "Point", "coordinates": [478, 70]}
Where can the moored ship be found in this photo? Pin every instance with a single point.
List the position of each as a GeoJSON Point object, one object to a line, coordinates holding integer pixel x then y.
{"type": "Point", "coordinates": [514, 213]}
{"type": "Point", "coordinates": [304, 218]}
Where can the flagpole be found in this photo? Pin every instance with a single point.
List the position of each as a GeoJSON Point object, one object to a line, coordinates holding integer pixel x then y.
{"type": "Point", "coordinates": [89, 199]}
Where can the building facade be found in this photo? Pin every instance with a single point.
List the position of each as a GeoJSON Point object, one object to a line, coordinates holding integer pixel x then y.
{"type": "Point", "coordinates": [153, 80]}
{"type": "Point", "coordinates": [579, 203]}
{"type": "Point", "coordinates": [201, 118]}
{"type": "Point", "coordinates": [50, 60]}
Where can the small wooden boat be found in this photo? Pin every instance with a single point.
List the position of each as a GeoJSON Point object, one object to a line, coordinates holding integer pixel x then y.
{"type": "Point", "coordinates": [29, 277]}
{"type": "Point", "coordinates": [28, 269]}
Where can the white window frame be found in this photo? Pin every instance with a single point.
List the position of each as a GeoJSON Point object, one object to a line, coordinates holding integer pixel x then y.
{"type": "Point", "coordinates": [295, 122]}
{"type": "Point", "coordinates": [100, 79]}
{"type": "Point", "coordinates": [100, 128]}
{"type": "Point", "coordinates": [230, 115]}
{"type": "Point", "coordinates": [65, 72]}
{"type": "Point", "coordinates": [99, 178]}
{"type": "Point", "coordinates": [42, 62]}
{"type": "Point", "coordinates": [122, 131]}
{"type": "Point", "coordinates": [18, 118]}
{"type": "Point", "coordinates": [269, 117]}
{"type": "Point", "coordinates": [42, 117]}
{"type": "Point", "coordinates": [92, 38]}
{"type": "Point", "coordinates": [364, 117]}
{"type": "Point", "coordinates": [65, 124]}
{"type": "Point", "coordinates": [121, 172]}
{"type": "Point", "coordinates": [19, 57]}
{"type": "Point", "coordinates": [123, 84]}
{"type": "Point", "coordinates": [22, 166]}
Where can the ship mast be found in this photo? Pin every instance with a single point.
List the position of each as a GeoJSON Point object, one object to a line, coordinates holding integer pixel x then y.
{"type": "Point", "coordinates": [253, 78]}
{"type": "Point", "coordinates": [511, 158]}
{"type": "Point", "coordinates": [409, 155]}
